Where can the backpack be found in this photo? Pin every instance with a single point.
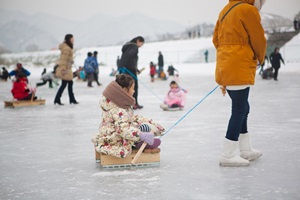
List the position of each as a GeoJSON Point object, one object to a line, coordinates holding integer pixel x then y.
{"type": "Point", "coordinates": [88, 66]}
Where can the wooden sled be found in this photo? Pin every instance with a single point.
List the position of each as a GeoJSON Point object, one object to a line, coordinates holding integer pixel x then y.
{"type": "Point", "coordinates": [146, 159]}
{"type": "Point", "coordinates": [24, 103]}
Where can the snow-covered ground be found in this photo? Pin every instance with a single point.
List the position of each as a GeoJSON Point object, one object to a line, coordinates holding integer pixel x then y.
{"type": "Point", "coordinates": [46, 152]}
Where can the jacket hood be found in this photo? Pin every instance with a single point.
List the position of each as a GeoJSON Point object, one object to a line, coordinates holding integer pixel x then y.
{"type": "Point", "coordinates": [128, 45]}
{"type": "Point", "coordinates": [257, 3]}
{"type": "Point", "coordinates": [62, 46]}
{"type": "Point", "coordinates": [115, 93]}
{"type": "Point", "coordinates": [89, 59]}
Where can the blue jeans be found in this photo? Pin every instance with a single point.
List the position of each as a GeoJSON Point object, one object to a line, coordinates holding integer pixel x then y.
{"type": "Point", "coordinates": [239, 113]}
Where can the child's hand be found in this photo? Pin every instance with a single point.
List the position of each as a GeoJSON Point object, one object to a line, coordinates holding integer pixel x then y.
{"type": "Point", "coordinates": [147, 137]}
{"type": "Point", "coordinates": [223, 88]}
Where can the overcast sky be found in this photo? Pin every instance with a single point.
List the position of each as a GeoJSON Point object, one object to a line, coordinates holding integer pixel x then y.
{"type": "Point", "coordinates": [186, 12]}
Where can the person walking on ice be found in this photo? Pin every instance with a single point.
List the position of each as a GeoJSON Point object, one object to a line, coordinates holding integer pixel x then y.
{"type": "Point", "coordinates": [275, 59]}
{"type": "Point", "coordinates": [238, 21]}
{"type": "Point", "coordinates": [64, 70]}
{"type": "Point", "coordinates": [128, 63]}
{"type": "Point", "coordinates": [120, 129]}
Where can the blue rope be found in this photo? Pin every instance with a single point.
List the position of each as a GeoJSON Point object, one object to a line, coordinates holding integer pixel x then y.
{"type": "Point", "coordinates": [124, 69]}
{"type": "Point", "coordinates": [190, 111]}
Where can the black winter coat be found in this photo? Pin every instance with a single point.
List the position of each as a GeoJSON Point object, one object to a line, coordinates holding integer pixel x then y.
{"type": "Point", "coordinates": [160, 60]}
{"type": "Point", "coordinates": [275, 59]}
{"type": "Point", "coordinates": [129, 57]}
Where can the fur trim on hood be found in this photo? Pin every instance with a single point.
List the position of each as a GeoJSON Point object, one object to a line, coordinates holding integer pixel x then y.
{"type": "Point", "coordinates": [256, 3]}
{"type": "Point", "coordinates": [259, 3]}
{"type": "Point", "coordinates": [118, 96]}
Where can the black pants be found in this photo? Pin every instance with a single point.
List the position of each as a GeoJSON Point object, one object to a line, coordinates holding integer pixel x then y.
{"type": "Point", "coordinates": [239, 113]}
{"type": "Point", "coordinates": [29, 97]}
{"type": "Point", "coordinates": [61, 90]}
{"type": "Point", "coordinates": [136, 86]}
{"type": "Point", "coordinates": [44, 82]}
{"type": "Point", "coordinates": [96, 78]}
{"type": "Point", "coordinates": [276, 69]}
{"type": "Point", "coordinates": [90, 78]}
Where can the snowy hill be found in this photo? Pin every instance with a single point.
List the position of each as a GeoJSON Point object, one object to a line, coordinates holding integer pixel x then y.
{"type": "Point", "coordinates": [291, 50]}
{"type": "Point", "coordinates": [179, 53]}
{"type": "Point", "coordinates": [20, 31]}
{"type": "Point", "coordinates": [275, 23]}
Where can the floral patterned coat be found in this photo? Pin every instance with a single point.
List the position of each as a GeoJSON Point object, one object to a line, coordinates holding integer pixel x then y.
{"type": "Point", "coordinates": [119, 129]}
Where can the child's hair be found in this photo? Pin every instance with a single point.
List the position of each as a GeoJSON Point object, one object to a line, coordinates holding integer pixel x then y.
{"type": "Point", "coordinates": [173, 82]}
{"type": "Point", "coordinates": [19, 75]}
{"type": "Point", "coordinates": [124, 80]}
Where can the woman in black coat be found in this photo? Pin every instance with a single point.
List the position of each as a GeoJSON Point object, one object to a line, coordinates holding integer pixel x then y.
{"type": "Point", "coordinates": [129, 61]}
{"type": "Point", "coordinates": [275, 59]}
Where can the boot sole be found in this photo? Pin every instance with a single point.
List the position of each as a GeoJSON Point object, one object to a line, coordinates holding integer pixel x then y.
{"type": "Point", "coordinates": [234, 164]}
{"type": "Point", "coordinates": [251, 159]}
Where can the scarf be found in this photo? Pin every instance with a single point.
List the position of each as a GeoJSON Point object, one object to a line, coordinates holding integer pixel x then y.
{"type": "Point", "coordinates": [118, 96]}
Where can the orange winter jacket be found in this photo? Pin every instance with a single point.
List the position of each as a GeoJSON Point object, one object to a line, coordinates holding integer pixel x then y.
{"type": "Point", "coordinates": [240, 43]}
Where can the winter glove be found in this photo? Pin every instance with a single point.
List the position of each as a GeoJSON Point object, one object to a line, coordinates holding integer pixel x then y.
{"type": "Point", "coordinates": [223, 88]}
{"type": "Point", "coordinates": [157, 130]}
{"type": "Point", "coordinates": [147, 137]}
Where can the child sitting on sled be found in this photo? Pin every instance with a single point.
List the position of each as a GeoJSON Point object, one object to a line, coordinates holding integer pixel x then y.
{"type": "Point", "coordinates": [175, 97]}
{"type": "Point", "coordinates": [120, 129]}
{"type": "Point", "coordinates": [20, 90]}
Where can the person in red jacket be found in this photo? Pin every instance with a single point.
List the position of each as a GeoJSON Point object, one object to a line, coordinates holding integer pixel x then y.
{"type": "Point", "coordinates": [20, 90]}
{"type": "Point", "coordinates": [152, 71]}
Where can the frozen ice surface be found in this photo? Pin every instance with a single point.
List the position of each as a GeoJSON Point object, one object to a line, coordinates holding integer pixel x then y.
{"type": "Point", "coordinates": [46, 151]}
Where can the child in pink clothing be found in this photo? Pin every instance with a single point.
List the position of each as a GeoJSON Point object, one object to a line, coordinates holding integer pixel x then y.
{"type": "Point", "coordinates": [175, 97]}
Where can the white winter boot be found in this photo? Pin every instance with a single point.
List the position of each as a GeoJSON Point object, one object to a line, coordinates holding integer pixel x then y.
{"type": "Point", "coordinates": [164, 106]}
{"type": "Point", "coordinates": [229, 157]}
{"type": "Point", "coordinates": [246, 150]}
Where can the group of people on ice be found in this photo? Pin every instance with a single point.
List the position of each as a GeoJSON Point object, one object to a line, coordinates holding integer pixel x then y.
{"type": "Point", "coordinates": [21, 90]}
{"type": "Point", "coordinates": [160, 69]}
{"type": "Point", "coordinates": [91, 68]}
{"type": "Point", "coordinates": [236, 66]}
{"type": "Point", "coordinates": [121, 130]}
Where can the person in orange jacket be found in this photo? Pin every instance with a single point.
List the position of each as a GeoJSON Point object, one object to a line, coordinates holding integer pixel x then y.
{"type": "Point", "coordinates": [241, 46]}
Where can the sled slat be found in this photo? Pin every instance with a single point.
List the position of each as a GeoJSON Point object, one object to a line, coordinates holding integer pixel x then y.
{"type": "Point", "coordinates": [107, 160]}
{"type": "Point", "coordinates": [15, 104]}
